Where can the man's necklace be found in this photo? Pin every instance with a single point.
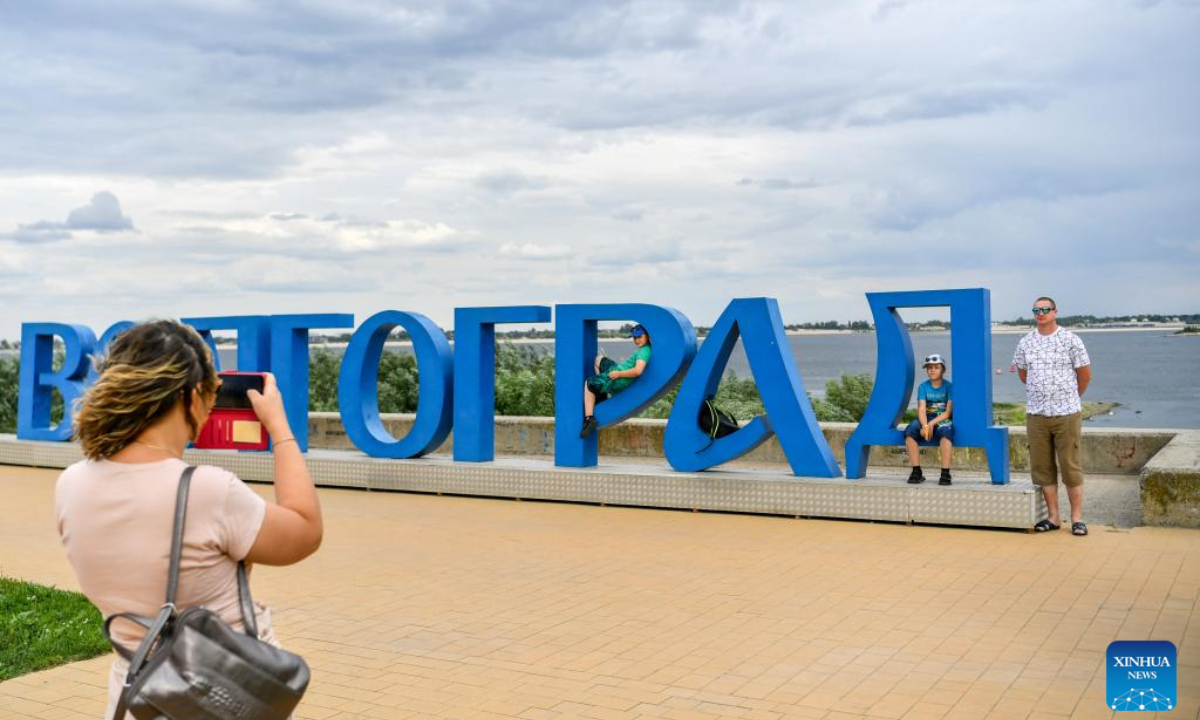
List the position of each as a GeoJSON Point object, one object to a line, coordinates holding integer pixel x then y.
{"type": "Point", "coordinates": [177, 456]}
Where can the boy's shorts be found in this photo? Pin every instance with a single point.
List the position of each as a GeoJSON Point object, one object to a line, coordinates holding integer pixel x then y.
{"type": "Point", "coordinates": [600, 384]}
{"type": "Point", "coordinates": [940, 431]}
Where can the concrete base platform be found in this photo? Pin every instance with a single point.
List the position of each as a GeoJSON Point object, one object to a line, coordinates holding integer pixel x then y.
{"type": "Point", "coordinates": [973, 502]}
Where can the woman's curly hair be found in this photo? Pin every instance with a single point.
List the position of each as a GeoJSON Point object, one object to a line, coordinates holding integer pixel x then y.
{"type": "Point", "coordinates": [147, 370]}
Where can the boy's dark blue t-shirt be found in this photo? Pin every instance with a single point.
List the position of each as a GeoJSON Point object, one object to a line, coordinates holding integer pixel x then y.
{"type": "Point", "coordinates": [936, 398]}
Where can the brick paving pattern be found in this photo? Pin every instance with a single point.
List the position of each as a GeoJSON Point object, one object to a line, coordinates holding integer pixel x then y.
{"type": "Point", "coordinates": [438, 607]}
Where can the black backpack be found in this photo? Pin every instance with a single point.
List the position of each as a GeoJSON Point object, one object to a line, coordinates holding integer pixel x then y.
{"type": "Point", "coordinates": [715, 421]}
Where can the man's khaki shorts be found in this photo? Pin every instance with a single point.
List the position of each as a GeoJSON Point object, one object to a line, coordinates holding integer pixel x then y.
{"type": "Point", "coordinates": [1054, 445]}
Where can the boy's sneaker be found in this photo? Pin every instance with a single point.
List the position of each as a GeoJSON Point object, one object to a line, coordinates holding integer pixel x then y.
{"type": "Point", "coordinates": [916, 477]}
{"type": "Point", "coordinates": [945, 478]}
{"type": "Point", "coordinates": [589, 426]}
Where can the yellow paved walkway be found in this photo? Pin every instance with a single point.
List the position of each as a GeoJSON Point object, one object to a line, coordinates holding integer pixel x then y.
{"type": "Point", "coordinates": [438, 607]}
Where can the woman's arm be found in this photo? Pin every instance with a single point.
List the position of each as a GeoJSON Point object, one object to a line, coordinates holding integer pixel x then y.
{"type": "Point", "coordinates": [292, 529]}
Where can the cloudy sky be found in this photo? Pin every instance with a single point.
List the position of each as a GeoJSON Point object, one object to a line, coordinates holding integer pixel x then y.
{"type": "Point", "coordinates": [219, 156]}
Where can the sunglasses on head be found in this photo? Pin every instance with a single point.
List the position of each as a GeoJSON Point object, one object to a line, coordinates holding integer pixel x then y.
{"type": "Point", "coordinates": [1042, 311]}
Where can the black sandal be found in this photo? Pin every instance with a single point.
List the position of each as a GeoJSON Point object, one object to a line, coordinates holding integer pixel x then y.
{"type": "Point", "coordinates": [1078, 528]}
{"type": "Point", "coordinates": [1047, 526]}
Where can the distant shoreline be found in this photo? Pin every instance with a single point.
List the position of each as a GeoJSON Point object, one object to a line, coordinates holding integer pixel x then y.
{"type": "Point", "coordinates": [996, 330]}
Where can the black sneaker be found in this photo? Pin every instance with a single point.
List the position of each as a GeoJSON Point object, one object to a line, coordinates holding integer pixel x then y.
{"type": "Point", "coordinates": [916, 478]}
{"type": "Point", "coordinates": [945, 478]}
{"type": "Point", "coordinates": [589, 426]}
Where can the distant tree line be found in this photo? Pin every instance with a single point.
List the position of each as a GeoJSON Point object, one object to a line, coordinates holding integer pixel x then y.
{"type": "Point", "coordinates": [1089, 320]}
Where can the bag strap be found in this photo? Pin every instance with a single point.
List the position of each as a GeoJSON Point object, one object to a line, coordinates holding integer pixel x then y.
{"type": "Point", "coordinates": [249, 622]}
{"type": "Point", "coordinates": [181, 498]}
{"type": "Point", "coordinates": [145, 622]}
{"type": "Point", "coordinates": [247, 603]}
{"type": "Point", "coordinates": [167, 612]}
{"type": "Point", "coordinates": [712, 429]}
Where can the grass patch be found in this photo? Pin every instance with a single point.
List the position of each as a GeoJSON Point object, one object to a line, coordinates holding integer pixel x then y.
{"type": "Point", "coordinates": [42, 627]}
{"type": "Point", "coordinates": [1014, 413]}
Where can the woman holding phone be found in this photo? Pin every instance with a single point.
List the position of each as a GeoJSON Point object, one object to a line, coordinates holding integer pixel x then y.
{"type": "Point", "coordinates": [157, 385]}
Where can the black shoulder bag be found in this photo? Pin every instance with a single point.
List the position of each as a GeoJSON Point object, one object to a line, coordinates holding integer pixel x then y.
{"type": "Point", "coordinates": [193, 666]}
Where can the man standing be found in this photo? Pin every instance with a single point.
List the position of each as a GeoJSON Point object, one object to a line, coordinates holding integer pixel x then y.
{"type": "Point", "coordinates": [1056, 370]}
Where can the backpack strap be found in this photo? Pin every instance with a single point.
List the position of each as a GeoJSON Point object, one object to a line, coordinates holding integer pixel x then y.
{"type": "Point", "coordinates": [167, 612]}
{"type": "Point", "coordinates": [145, 622]}
{"type": "Point", "coordinates": [712, 428]}
{"type": "Point", "coordinates": [249, 621]}
{"type": "Point", "coordinates": [181, 498]}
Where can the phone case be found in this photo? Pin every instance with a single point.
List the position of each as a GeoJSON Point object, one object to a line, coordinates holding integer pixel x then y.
{"type": "Point", "coordinates": [232, 429]}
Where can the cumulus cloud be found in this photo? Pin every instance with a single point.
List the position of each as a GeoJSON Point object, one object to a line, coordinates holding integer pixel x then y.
{"type": "Point", "coordinates": [102, 215]}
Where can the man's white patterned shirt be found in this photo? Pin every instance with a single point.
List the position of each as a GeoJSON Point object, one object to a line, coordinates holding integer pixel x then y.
{"type": "Point", "coordinates": [1050, 362]}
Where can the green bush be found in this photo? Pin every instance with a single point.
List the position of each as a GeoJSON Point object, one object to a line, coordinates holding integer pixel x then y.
{"type": "Point", "coordinates": [323, 367]}
{"type": "Point", "coordinates": [9, 372]}
{"type": "Point", "coordinates": [524, 381]}
{"type": "Point", "coordinates": [397, 386]}
{"type": "Point", "coordinates": [847, 398]}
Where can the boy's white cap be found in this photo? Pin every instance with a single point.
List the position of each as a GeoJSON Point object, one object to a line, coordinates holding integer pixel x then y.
{"type": "Point", "coordinates": [934, 359]}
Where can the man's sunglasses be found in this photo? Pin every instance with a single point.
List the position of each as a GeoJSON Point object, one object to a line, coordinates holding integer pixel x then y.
{"type": "Point", "coordinates": [1042, 311]}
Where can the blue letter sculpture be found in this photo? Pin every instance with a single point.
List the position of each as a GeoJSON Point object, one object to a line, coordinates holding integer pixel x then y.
{"type": "Point", "coordinates": [475, 375]}
{"type": "Point", "coordinates": [575, 345]}
{"type": "Point", "coordinates": [789, 414]}
{"type": "Point", "coordinates": [102, 347]}
{"type": "Point", "coordinates": [358, 388]}
{"type": "Point", "coordinates": [38, 378]}
{"type": "Point", "coordinates": [253, 339]}
{"type": "Point", "coordinates": [289, 363]}
{"type": "Point", "coordinates": [971, 355]}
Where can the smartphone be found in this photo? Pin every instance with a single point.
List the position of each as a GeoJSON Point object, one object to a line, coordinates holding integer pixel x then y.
{"type": "Point", "coordinates": [232, 425]}
{"type": "Point", "coordinates": [234, 386]}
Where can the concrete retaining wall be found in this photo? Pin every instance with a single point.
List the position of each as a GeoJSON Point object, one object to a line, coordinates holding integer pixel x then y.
{"type": "Point", "coordinates": [1108, 451]}
{"type": "Point", "coordinates": [1170, 483]}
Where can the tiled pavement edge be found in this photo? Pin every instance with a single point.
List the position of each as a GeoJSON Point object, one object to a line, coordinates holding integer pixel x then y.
{"type": "Point", "coordinates": [438, 607]}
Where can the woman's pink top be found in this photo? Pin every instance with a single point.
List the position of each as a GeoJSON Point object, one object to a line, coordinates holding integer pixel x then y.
{"type": "Point", "coordinates": [115, 520]}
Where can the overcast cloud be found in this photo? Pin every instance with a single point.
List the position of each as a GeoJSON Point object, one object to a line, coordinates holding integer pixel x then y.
{"type": "Point", "coordinates": [363, 155]}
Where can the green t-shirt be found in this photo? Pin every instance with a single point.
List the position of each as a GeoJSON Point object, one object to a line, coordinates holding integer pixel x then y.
{"type": "Point", "coordinates": [643, 353]}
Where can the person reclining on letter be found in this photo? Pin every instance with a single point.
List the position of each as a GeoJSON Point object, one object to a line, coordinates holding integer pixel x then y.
{"type": "Point", "coordinates": [611, 378]}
